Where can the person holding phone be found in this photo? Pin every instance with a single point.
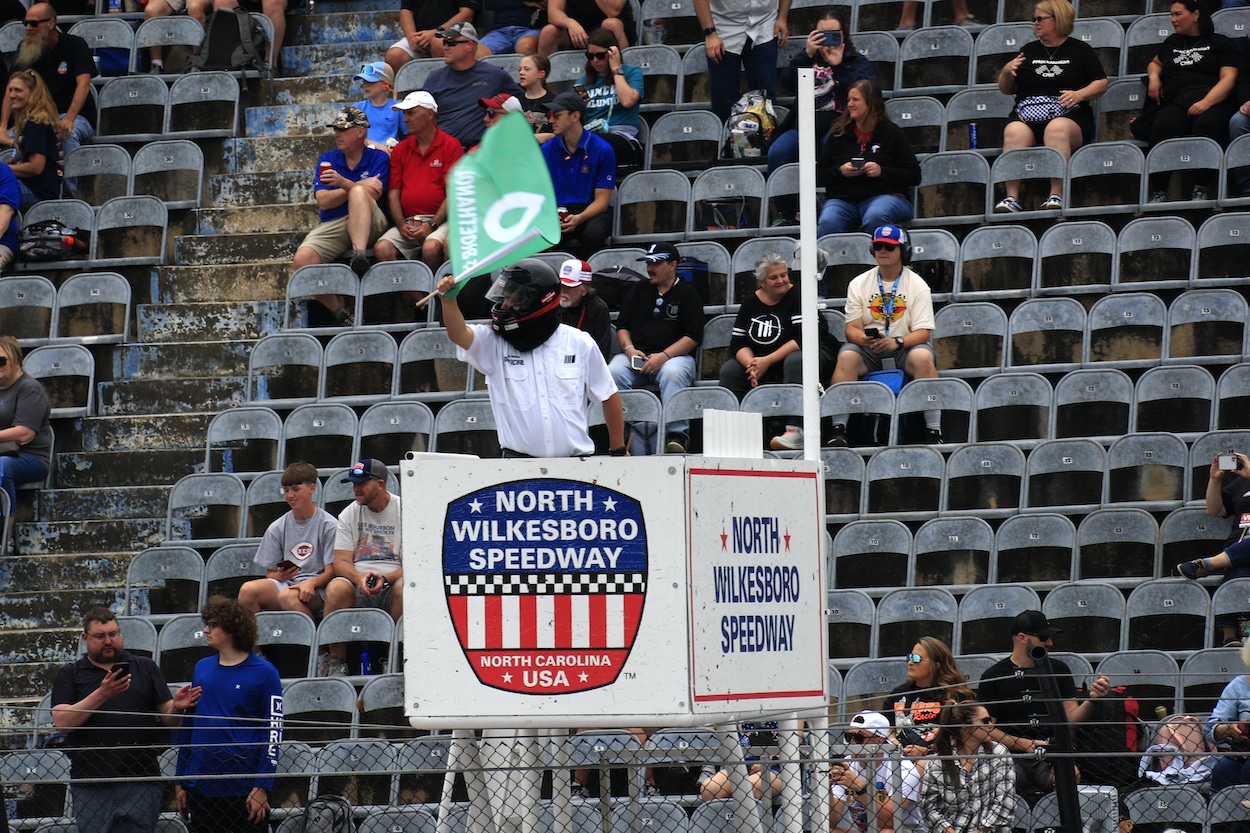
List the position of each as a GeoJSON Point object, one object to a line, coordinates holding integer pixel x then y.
{"type": "Point", "coordinates": [612, 90]}
{"type": "Point", "coordinates": [1227, 728]}
{"type": "Point", "coordinates": [114, 707]}
{"type": "Point", "coordinates": [836, 64]}
{"type": "Point", "coordinates": [1227, 496]}
{"type": "Point", "coordinates": [866, 165]}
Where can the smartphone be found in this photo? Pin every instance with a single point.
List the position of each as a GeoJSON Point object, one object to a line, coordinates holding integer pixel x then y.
{"type": "Point", "coordinates": [121, 669]}
{"type": "Point", "coordinates": [833, 37]}
{"type": "Point", "coordinates": [285, 564]}
{"type": "Point", "coordinates": [1229, 462]}
{"type": "Point", "coordinates": [580, 89]}
{"type": "Point", "coordinates": [872, 332]}
{"type": "Point", "coordinates": [857, 162]}
{"type": "Point", "coordinates": [636, 362]}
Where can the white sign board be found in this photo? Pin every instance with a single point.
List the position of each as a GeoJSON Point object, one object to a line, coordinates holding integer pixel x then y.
{"type": "Point", "coordinates": [559, 592]}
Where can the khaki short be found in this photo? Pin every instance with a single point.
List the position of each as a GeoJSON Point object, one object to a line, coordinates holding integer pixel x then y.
{"type": "Point", "coordinates": [411, 249]}
{"type": "Point", "coordinates": [332, 238]}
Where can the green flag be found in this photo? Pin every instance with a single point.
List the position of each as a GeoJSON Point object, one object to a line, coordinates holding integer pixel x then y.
{"type": "Point", "coordinates": [500, 203]}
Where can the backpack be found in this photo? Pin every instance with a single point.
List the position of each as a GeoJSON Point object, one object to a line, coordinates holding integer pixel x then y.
{"type": "Point", "coordinates": [50, 240]}
{"type": "Point", "coordinates": [1114, 726]}
{"type": "Point", "coordinates": [749, 127]}
{"type": "Point", "coordinates": [232, 41]}
{"type": "Point", "coordinates": [328, 814]}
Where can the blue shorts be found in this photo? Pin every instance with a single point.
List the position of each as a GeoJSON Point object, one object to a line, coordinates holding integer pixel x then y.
{"type": "Point", "coordinates": [504, 39]}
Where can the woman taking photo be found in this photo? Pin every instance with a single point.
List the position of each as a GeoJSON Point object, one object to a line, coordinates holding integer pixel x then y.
{"type": "Point", "coordinates": [37, 138]}
{"type": "Point", "coordinates": [933, 678]}
{"type": "Point", "coordinates": [613, 93]}
{"type": "Point", "coordinates": [1054, 79]}
{"type": "Point", "coordinates": [866, 166]}
{"type": "Point", "coordinates": [971, 787]}
{"type": "Point", "coordinates": [25, 435]}
{"type": "Point", "coordinates": [1191, 80]}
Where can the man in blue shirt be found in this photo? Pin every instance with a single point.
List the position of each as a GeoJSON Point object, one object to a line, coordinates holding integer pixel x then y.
{"type": "Point", "coordinates": [583, 173]}
{"type": "Point", "coordinates": [463, 80]}
{"type": "Point", "coordinates": [349, 185]}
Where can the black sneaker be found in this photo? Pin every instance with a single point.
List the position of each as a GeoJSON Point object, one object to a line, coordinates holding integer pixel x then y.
{"type": "Point", "coordinates": [837, 437]}
{"type": "Point", "coordinates": [359, 263]}
{"type": "Point", "coordinates": [676, 444]}
{"type": "Point", "coordinates": [933, 436]}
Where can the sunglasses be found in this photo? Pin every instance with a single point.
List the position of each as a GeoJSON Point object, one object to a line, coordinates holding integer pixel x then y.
{"type": "Point", "coordinates": [447, 42]}
{"type": "Point", "coordinates": [595, 56]}
{"type": "Point", "coordinates": [859, 737]}
{"type": "Point", "coordinates": [492, 113]}
{"type": "Point", "coordinates": [4, 361]}
{"type": "Point", "coordinates": [913, 658]}
{"type": "Point", "coordinates": [31, 24]}
{"type": "Point", "coordinates": [883, 247]}
{"type": "Point", "coordinates": [1040, 19]}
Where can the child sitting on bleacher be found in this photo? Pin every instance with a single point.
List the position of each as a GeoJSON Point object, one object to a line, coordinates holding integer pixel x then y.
{"type": "Point", "coordinates": [385, 125]}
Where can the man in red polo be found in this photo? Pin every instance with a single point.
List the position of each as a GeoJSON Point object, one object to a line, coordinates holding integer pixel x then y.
{"type": "Point", "coordinates": [417, 199]}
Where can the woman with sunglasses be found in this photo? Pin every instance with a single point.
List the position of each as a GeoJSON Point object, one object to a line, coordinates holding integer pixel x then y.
{"type": "Point", "coordinates": [612, 91]}
{"type": "Point", "coordinates": [25, 433]}
{"type": "Point", "coordinates": [971, 788]}
{"type": "Point", "coordinates": [933, 678]}
{"type": "Point", "coordinates": [866, 165]}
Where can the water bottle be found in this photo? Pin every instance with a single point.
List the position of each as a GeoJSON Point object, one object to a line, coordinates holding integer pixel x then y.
{"type": "Point", "coordinates": [972, 135]}
{"type": "Point", "coordinates": [115, 6]}
{"type": "Point", "coordinates": [902, 717]}
{"type": "Point", "coordinates": [366, 667]}
{"type": "Point", "coordinates": [653, 30]}
{"type": "Point", "coordinates": [881, 794]}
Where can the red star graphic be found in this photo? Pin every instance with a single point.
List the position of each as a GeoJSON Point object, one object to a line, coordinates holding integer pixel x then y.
{"type": "Point", "coordinates": [787, 537]}
{"type": "Point", "coordinates": [723, 539]}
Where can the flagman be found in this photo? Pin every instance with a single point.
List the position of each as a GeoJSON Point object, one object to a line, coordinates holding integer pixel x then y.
{"type": "Point", "coordinates": [541, 373]}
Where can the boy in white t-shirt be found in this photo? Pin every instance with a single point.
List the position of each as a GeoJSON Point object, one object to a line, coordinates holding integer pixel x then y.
{"type": "Point", "coordinates": [386, 126]}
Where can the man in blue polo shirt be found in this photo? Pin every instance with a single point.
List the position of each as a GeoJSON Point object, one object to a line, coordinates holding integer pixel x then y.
{"type": "Point", "coordinates": [583, 172]}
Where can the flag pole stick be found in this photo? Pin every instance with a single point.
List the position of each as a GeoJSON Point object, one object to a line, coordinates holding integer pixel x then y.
{"type": "Point", "coordinates": [502, 254]}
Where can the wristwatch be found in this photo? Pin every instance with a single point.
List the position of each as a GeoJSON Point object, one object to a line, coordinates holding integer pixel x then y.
{"type": "Point", "coordinates": [433, 225]}
{"type": "Point", "coordinates": [711, 30]}
{"type": "Point", "coordinates": [618, 71]}
{"type": "Point", "coordinates": [616, 452]}
{"type": "Point", "coordinates": [899, 341]}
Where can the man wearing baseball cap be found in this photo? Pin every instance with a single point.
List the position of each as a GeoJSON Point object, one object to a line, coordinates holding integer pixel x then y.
{"type": "Point", "coordinates": [1012, 691]}
{"type": "Point", "coordinates": [367, 563]}
{"type": "Point", "coordinates": [581, 308]}
{"type": "Point", "coordinates": [384, 123]}
{"type": "Point", "coordinates": [889, 323]}
{"type": "Point", "coordinates": [421, 21]}
{"type": "Point", "coordinates": [854, 785]}
{"type": "Point", "coordinates": [583, 173]}
{"type": "Point", "coordinates": [495, 106]}
{"type": "Point", "coordinates": [417, 200]}
{"type": "Point", "coordinates": [659, 328]}
{"type": "Point", "coordinates": [464, 80]}
{"type": "Point", "coordinates": [349, 185]}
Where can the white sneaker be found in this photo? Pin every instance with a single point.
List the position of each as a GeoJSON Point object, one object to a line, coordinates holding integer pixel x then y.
{"type": "Point", "coordinates": [329, 665]}
{"type": "Point", "coordinates": [792, 440]}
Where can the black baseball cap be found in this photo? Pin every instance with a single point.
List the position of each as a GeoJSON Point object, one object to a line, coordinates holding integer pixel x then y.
{"type": "Point", "coordinates": [365, 470]}
{"type": "Point", "coordinates": [660, 253]}
{"type": "Point", "coordinates": [1034, 623]}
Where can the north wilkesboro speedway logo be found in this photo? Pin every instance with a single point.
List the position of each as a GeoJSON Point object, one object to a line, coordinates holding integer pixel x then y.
{"type": "Point", "coordinates": [545, 581]}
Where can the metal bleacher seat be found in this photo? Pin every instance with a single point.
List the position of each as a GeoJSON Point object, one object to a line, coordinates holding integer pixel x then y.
{"type": "Point", "coordinates": [228, 568]}
{"type": "Point", "coordinates": [163, 582]}
{"type": "Point", "coordinates": [1014, 407]}
{"type": "Point", "coordinates": [172, 171]}
{"type": "Point", "coordinates": [935, 256]}
{"type": "Point", "coordinates": [1075, 257]}
{"type": "Point", "coordinates": [872, 554]}
{"type": "Point", "coordinates": [847, 255]}
{"type": "Point", "coordinates": [935, 60]}
{"type": "Point", "coordinates": [165, 32]}
{"type": "Point", "coordinates": [684, 140]}
{"type": "Point", "coordinates": [1205, 673]}
{"type": "Point", "coordinates": [865, 684]}
{"type": "Point", "coordinates": [1148, 470]}
{"type": "Point", "coordinates": [871, 403]}
{"type": "Point", "coordinates": [67, 373]}
{"type": "Point", "coordinates": [899, 610]}
{"type": "Point", "coordinates": [1090, 613]}
{"type": "Point", "coordinates": [955, 551]}
{"type": "Point", "coordinates": [1153, 677]}
{"type": "Point", "coordinates": [131, 231]}
{"type": "Point", "coordinates": [567, 66]}
{"type": "Point", "coordinates": [1065, 476]}
{"type": "Point", "coordinates": [1141, 44]}
{"type": "Point", "coordinates": [1167, 614]}
{"type": "Point", "coordinates": [923, 119]}
{"type": "Point", "coordinates": [27, 309]}
{"type": "Point", "coordinates": [132, 109]}
{"type": "Point", "coordinates": [971, 338]}
{"type": "Point", "coordinates": [1222, 248]}
{"type": "Point", "coordinates": [997, 263]}
{"type": "Point", "coordinates": [1226, 811]}
{"type": "Point", "coordinates": [321, 433]}
{"type": "Point", "coordinates": [101, 172]}
{"type": "Point", "coordinates": [782, 182]}
{"type": "Point", "coordinates": [661, 74]}
{"type": "Point", "coordinates": [412, 75]}
{"type": "Point", "coordinates": [93, 308]}
{"type": "Point", "coordinates": [1120, 104]}
{"type": "Point", "coordinates": [337, 492]}
{"type": "Point", "coordinates": [719, 270]}
{"type": "Point", "coordinates": [986, 479]}
{"type": "Point", "coordinates": [997, 44]}
{"type": "Point", "coordinates": [1231, 599]}
{"type": "Point", "coordinates": [1207, 326]}
{"type": "Point", "coordinates": [1236, 158]}
{"type": "Point", "coordinates": [952, 397]}
{"type": "Point", "coordinates": [385, 300]}
{"type": "Point", "coordinates": [307, 282]}
{"type": "Point", "coordinates": [11, 34]}
{"type": "Point", "coordinates": [356, 626]}
{"type": "Point", "coordinates": [319, 710]}
{"type": "Point", "coordinates": [1034, 168]}
{"type": "Point", "coordinates": [284, 370]}
{"type": "Point", "coordinates": [652, 206]}
{"type": "Point", "coordinates": [905, 482]}
{"type": "Point", "coordinates": [1036, 548]}
{"type": "Point", "coordinates": [1185, 156]}
{"type": "Point", "coordinates": [881, 50]}
{"type": "Point", "coordinates": [206, 510]}
{"type": "Point", "coordinates": [428, 368]}
{"type": "Point", "coordinates": [204, 105]}
{"type": "Point", "coordinates": [358, 368]}
{"type": "Point", "coordinates": [369, 767]}
{"type": "Point", "coordinates": [107, 32]}
{"type": "Point", "coordinates": [1118, 546]}
{"type": "Point", "coordinates": [1203, 450]}
{"type": "Point", "coordinates": [245, 441]}
{"type": "Point", "coordinates": [744, 188]}
{"type": "Point", "coordinates": [1104, 179]}
{"type": "Point", "coordinates": [265, 503]}
{"type": "Point", "coordinates": [382, 708]}
{"type": "Point", "coordinates": [850, 617]}
{"type": "Point", "coordinates": [389, 430]}
{"type": "Point", "coordinates": [1155, 253]}
{"type": "Point", "coordinates": [986, 613]}
{"type": "Point", "coordinates": [41, 777]}
{"type": "Point", "coordinates": [1232, 402]}
{"type": "Point", "coordinates": [954, 189]}
{"type": "Point", "coordinates": [73, 213]}
{"type": "Point", "coordinates": [1094, 403]}
{"type": "Point", "coordinates": [466, 426]}
{"type": "Point", "coordinates": [1179, 400]}
{"type": "Point", "coordinates": [1047, 335]}
{"type": "Point", "coordinates": [1105, 37]}
{"type": "Point", "coordinates": [843, 471]}
{"type": "Point", "coordinates": [180, 645]}
{"type": "Point", "coordinates": [285, 637]}
{"type": "Point", "coordinates": [1126, 331]}
{"type": "Point", "coordinates": [989, 109]}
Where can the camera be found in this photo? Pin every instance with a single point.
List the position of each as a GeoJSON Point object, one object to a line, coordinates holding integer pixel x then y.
{"type": "Point", "coordinates": [833, 38]}
{"type": "Point", "coordinates": [1229, 462]}
{"type": "Point", "coordinates": [636, 362]}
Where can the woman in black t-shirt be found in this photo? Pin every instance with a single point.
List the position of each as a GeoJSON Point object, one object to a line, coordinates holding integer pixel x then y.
{"type": "Point", "coordinates": [1054, 79]}
{"type": "Point", "coordinates": [37, 135]}
{"type": "Point", "coordinates": [1227, 496]}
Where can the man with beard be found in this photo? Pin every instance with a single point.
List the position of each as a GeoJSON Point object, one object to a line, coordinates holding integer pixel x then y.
{"type": "Point", "coordinates": [541, 373]}
{"type": "Point", "coordinates": [581, 308]}
{"type": "Point", "coordinates": [113, 706]}
{"type": "Point", "coordinates": [65, 64]}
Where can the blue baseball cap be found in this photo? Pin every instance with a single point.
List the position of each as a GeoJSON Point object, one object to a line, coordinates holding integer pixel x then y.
{"type": "Point", "coordinates": [890, 234]}
{"type": "Point", "coordinates": [376, 71]}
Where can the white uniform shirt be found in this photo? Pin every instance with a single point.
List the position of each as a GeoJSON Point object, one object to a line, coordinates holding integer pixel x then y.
{"type": "Point", "coordinates": [737, 20]}
{"type": "Point", "coordinates": [540, 397]}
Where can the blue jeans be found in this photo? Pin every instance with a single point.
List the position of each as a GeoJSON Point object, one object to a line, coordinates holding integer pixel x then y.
{"type": "Point", "coordinates": [839, 216]}
{"type": "Point", "coordinates": [784, 149]}
{"type": "Point", "coordinates": [81, 133]}
{"type": "Point", "coordinates": [675, 374]}
{"type": "Point", "coordinates": [1229, 771]}
{"type": "Point", "coordinates": [759, 61]}
{"type": "Point", "coordinates": [1239, 125]}
{"type": "Point", "coordinates": [19, 468]}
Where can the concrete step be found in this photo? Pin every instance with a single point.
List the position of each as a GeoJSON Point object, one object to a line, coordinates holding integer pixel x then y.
{"type": "Point", "coordinates": [317, 89]}
{"type": "Point", "coordinates": [302, 60]}
{"type": "Point", "coordinates": [294, 119]}
{"type": "Point", "coordinates": [276, 153]}
{"type": "Point", "coordinates": [148, 467]}
{"type": "Point", "coordinates": [26, 680]}
{"type": "Point", "coordinates": [61, 607]}
{"type": "Point", "coordinates": [113, 503]}
{"type": "Point", "coordinates": [201, 249]}
{"type": "Point", "coordinates": [207, 321]}
{"type": "Point", "coordinates": [88, 536]}
{"type": "Point", "coordinates": [280, 188]}
{"type": "Point", "coordinates": [173, 360]}
{"type": "Point", "coordinates": [31, 573]}
{"type": "Point", "coordinates": [57, 645]}
{"type": "Point", "coordinates": [186, 395]}
{"type": "Point", "coordinates": [265, 281]}
{"type": "Point", "coordinates": [351, 27]}
{"type": "Point", "coordinates": [147, 432]}
{"type": "Point", "coordinates": [254, 219]}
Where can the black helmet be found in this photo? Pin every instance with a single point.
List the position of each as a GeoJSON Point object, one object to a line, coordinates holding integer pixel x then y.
{"type": "Point", "coordinates": [530, 290]}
